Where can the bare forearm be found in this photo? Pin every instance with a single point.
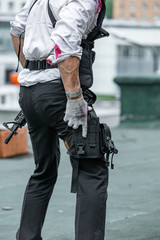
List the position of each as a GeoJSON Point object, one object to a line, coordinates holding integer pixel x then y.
{"type": "Point", "coordinates": [15, 41]}
{"type": "Point", "coordinates": [69, 70]}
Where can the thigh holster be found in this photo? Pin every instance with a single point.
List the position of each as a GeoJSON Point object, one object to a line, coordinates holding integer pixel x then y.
{"type": "Point", "coordinates": [98, 141]}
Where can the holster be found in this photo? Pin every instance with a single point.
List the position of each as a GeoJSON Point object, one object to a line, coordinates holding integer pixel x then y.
{"type": "Point", "coordinates": [96, 144]}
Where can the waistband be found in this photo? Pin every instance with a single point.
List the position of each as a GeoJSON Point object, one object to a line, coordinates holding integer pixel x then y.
{"type": "Point", "coordinates": [38, 65]}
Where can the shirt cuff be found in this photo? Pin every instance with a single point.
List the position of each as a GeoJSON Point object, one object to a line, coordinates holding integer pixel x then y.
{"type": "Point", "coordinates": [16, 30]}
{"type": "Point", "coordinates": [52, 60]}
{"type": "Point", "coordinates": [61, 52]}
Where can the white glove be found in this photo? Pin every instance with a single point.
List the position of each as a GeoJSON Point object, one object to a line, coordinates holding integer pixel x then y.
{"type": "Point", "coordinates": [76, 114]}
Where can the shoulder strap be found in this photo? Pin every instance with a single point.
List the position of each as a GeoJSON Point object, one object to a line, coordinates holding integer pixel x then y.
{"type": "Point", "coordinates": [98, 31]}
{"type": "Point", "coordinates": [32, 6]}
{"type": "Point", "coordinates": [52, 18]}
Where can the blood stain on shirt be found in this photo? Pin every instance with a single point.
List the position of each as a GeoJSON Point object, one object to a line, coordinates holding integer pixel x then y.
{"type": "Point", "coordinates": [57, 51]}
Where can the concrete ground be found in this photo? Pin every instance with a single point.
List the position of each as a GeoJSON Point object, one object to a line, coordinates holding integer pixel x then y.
{"type": "Point", "coordinates": [133, 209]}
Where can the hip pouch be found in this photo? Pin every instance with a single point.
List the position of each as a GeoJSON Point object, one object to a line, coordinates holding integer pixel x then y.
{"type": "Point", "coordinates": [98, 141]}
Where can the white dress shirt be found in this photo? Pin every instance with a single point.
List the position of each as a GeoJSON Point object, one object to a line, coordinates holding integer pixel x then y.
{"type": "Point", "coordinates": [75, 20]}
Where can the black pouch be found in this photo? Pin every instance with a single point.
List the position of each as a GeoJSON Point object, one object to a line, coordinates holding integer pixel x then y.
{"type": "Point", "coordinates": [85, 67]}
{"type": "Point", "coordinates": [88, 147]}
{"type": "Point", "coordinates": [98, 141]}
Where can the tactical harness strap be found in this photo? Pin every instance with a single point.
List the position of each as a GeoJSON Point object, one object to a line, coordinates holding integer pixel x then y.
{"type": "Point", "coordinates": [38, 65]}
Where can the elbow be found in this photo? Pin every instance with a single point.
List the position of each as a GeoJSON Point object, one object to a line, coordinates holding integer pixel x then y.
{"type": "Point", "coordinates": [69, 65]}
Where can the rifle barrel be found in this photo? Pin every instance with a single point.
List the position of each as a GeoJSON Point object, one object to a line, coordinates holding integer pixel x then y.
{"type": "Point", "coordinates": [10, 135]}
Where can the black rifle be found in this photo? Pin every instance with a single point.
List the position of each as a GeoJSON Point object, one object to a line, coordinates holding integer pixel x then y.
{"type": "Point", "coordinates": [18, 122]}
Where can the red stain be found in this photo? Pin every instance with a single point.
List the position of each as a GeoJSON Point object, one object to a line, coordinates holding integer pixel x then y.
{"type": "Point", "coordinates": [57, 51]}
{"type": "Point", "coordinates": [99, 6]}
{"type": "Point", "coordinates": [49, 62]}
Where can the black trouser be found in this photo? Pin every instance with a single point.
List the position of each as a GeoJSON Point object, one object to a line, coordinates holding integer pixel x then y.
{"type": "Point", "coordinates": [44, 106]}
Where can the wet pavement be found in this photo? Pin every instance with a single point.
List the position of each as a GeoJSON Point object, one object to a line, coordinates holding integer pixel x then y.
{"type": "Point", "coordinates": [133, 207]}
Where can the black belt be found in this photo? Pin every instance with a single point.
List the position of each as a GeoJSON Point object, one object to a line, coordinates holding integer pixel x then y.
{"type": "Point", "coordinates": [38, 65]}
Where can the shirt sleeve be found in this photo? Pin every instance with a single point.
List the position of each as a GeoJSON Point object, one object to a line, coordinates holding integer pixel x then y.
{"type": "Point", "coordinates": [75, 22]}
{"type": "Point", "coordinates": [18, 25]}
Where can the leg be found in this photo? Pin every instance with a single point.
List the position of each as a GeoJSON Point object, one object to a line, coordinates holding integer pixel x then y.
{"type": "Point", "coordinates": [90, 181]}
{"type": "Point", "coordinates": [45, 145]}
{"type": "Point", "coordinates": [40, 185]}
{"type": "Point", "coordinates": [91, 200]}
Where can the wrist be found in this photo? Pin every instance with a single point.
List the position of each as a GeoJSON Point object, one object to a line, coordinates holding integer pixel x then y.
{"type": "Point", "coordinates": [74, 95]}
{"type": "Point", "coordinates": [75, 98]}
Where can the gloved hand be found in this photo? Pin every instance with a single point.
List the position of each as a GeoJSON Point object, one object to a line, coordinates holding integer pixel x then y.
{"type": "Point", "coordinates": [76, 114]}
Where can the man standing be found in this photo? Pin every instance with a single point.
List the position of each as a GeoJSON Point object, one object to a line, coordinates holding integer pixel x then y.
{"type": "Point", "coordinates": [51, 98]}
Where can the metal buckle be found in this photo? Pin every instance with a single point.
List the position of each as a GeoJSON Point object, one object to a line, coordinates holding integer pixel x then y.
{"type": "Point", "coordinates": [80, 149]}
